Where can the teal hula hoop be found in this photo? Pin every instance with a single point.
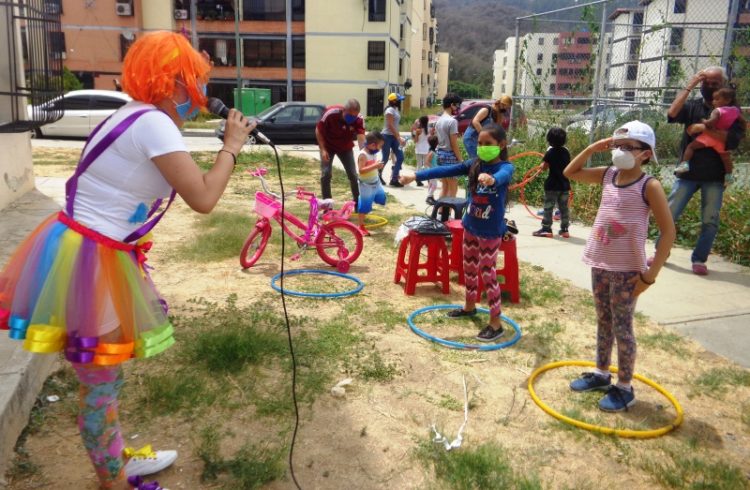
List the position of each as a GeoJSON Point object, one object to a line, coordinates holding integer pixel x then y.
{"type": "Point", "coordinates": [351, 292]}
{"type": "Point", "coordinates": [460, 345]}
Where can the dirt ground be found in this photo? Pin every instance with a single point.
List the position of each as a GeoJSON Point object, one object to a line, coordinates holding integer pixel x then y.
{"type": "Point", "coordinates": [367, 439]}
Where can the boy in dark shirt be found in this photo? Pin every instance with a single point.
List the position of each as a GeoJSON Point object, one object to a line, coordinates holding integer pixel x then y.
{"type": "Point", "coordinates": [557, 186]}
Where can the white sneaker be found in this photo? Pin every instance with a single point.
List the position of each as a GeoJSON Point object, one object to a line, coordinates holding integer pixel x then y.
{"type": "Point", "coordinates": [142, 465]}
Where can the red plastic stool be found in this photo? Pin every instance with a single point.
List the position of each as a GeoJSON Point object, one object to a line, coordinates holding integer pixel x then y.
{"type": "Point", "coordinates": [508, 272]}
{"type": "Point", "coordinates": [457, 253]}
{"type": "Point", "coordinates": [436, 266]}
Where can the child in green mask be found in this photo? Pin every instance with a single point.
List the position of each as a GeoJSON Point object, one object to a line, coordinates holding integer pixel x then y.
{"type": "Point", "coordinates": [484, 221]}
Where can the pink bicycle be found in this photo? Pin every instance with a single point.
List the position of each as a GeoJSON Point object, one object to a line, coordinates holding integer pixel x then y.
{"type": "Point", "coordinates": [337, 241]}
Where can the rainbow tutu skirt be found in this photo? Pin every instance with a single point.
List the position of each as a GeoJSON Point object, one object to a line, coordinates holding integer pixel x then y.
{"type": "Point", "coordinates": [69, 289]}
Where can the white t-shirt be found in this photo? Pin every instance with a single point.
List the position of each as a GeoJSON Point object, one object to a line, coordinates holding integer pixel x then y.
{"type": "Point", "coordinates": [421, 145]}
{"type": "Point", "coordinates": [444, 128]}
{"type": "Point", "coordinates": [396, 120]}
{"type": "Point", "coordinates": [118, 188]}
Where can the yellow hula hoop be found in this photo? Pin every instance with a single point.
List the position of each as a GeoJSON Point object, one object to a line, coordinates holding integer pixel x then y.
{"type": "Point", "coordinates": [636, 434]}
{"type": "Point", "coordinates": [378, 221]}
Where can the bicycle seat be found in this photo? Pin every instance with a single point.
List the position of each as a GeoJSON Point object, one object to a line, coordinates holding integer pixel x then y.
{"type": "Point", "coordinates": [258, 172]}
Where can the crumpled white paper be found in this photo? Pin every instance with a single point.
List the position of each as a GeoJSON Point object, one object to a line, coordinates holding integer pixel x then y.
{"type": "Point", "coordinates": [456, 443]}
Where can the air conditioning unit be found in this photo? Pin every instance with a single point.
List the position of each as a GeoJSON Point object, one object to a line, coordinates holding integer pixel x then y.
{"type": "Point", "coordinates": [402, 53]}
{"type": "Point", "coordinates": [181, 14]}
{"type": "Point", "coordinates": [124, 9]}
{"type": "Point", "coordinates": [674, 48]}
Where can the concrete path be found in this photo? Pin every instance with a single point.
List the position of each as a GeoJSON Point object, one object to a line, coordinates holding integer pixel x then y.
{"type": "Point", "coordinates": [714, 310]}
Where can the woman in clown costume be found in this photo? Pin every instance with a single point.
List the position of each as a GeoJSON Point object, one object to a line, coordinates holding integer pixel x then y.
{"type": "Point", "coordinates": [78, 284]}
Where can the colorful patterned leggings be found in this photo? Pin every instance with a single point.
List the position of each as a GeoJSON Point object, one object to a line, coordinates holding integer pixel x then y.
{"type": "Point", "coordinates": [480, 256]}
{"type": "Point", "coordinates": [98, 421]}
{"type": "Point", "coordinates": [615, 305]}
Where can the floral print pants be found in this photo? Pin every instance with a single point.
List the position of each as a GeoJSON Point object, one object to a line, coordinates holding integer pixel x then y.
{"type": "Point", "coordinates": [615, 305]}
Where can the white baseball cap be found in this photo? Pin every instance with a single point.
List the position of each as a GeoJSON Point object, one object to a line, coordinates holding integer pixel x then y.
{"type": "Point", "coordinates": [639, 131]}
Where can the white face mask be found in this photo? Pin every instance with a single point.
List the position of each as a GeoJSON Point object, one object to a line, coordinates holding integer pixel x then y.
{"type": "Point", "coordinates": [624, 160]}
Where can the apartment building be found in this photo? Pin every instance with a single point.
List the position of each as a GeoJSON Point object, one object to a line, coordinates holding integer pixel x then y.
{"type": "Point", "coordinates": [362, 49]}
{"type": "Point", "coordinates": [504, 63]}
{"type": "Point", "coordinates": [623, 56]}
{"type": "Point", "coordinates": [679, 38]}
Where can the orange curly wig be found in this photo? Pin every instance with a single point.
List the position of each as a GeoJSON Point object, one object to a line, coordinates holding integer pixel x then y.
{"type": "Point", "coordinates": [156, 60]}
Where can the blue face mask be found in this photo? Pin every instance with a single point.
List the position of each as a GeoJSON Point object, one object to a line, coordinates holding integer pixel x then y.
{"type": "Point", "coordinates": [350, 119]}
{"type": "Point", "coordinates": [183, 110]}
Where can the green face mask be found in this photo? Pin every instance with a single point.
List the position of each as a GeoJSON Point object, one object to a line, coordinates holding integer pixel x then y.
{"type": "Point", "coordinates": [488, 153]}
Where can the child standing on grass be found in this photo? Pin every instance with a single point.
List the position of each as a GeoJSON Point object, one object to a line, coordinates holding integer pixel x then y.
{"type": "Point", "coordinates": [484, 221]}
{"type": "Point", "coordinates": [431, 161]}
{"type": "Point", "coordinates": [370, 188]}
{"type": "Point", "coordinates": [615, 250]}
{"type": "Point", "coordinates": [557, 186]}
{"type": "Point", "coordinates": [421, 146]}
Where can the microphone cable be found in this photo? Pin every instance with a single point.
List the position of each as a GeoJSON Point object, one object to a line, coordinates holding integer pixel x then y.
{"type": "Point", "coordinates": [286, 320]}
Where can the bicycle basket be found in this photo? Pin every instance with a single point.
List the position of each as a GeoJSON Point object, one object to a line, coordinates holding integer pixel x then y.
{"type": "Point", "coordinates": [266, 206]}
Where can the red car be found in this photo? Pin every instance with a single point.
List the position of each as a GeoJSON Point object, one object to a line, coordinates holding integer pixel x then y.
{"type": "Point", "coordinates": [469, 109]}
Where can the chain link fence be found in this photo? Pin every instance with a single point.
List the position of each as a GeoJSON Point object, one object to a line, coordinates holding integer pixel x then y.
{"type": "Point", "coordinates": [591, 67]}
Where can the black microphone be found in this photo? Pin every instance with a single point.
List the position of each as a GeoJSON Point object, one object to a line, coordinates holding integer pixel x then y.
{"type": "Point", "coordinates": [216, 106]}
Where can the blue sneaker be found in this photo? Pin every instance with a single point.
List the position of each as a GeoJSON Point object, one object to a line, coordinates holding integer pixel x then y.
{"type": "Point", "coordinates": [617, 399]}
{"type": "Point", "coordinates": [591, 381]}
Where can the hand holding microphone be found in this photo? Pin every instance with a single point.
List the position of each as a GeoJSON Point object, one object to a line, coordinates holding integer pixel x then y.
{"type": "Point", "coordinates": [237, 126]}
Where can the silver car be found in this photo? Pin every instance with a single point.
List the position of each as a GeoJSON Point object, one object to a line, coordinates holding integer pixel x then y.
{"type": "Point", "coordinates": [82, 111]}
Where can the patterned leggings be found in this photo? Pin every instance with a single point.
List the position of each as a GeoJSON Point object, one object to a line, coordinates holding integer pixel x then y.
{"type": "Point", "coordinates": [615, 305]}
{"type": "Point", "coordinates": [480, 256]}
{"type": "Point", "coordinates": [98, 421]}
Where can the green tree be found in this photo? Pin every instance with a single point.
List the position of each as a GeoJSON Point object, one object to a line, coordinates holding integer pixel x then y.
{"type": "Point", "coordinates": [466, 90]}
{"type": "Point", "coordinates": [70, 81]}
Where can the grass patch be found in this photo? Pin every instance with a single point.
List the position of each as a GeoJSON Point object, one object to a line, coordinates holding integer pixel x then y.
{"type": "Point", "coordinates": [372, 367]}
{"type": "Point", "coordinates": [219, 236]}
{"type": "Point", "coordinates": [693, 472]}
{"type": "Point", "coordinates": [541, 338]}
{"type": "Point", "coordinates": [716, 382]}
{"type": "Point", "coordinates": [174, 391]}
{"type": "Point", "coordinates": [540, 290]}
{"type": "Point", "coordinates": [251, 467]}
{"type": "Point", "coordinates": [666, 341]}
{"type": "Point", "coordinates": [487, 466]}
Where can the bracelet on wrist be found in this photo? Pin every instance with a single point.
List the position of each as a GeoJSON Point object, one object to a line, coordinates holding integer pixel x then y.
{"type": "Point", "coordinates": [645, 281]}
{"type": "Point", "coordinates": [234, 157]}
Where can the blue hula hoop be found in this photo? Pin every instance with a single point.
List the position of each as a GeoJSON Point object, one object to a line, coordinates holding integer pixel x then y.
{"type": "Point", "coordinates": [351, 292]}
{"type": "Point", "coordinates": [460, 345]}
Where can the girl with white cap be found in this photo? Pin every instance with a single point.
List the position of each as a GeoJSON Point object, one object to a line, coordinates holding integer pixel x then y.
{"type": "Point", "coordinates": [616, 252]}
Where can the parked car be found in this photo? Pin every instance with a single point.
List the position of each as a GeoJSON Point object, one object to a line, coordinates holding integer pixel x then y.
{"type": "Point", "coordinates": [469, 109]}
{"type": "Point", "coordinates": [607, 115]}
{"type": "Point", "coordinates": [589, 111]}
{"type": "Point", "coordinates": [290, 122]}
{"type": "Point", "coordinates": [82, 110]}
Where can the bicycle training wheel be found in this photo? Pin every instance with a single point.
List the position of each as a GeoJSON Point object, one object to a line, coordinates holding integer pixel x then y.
{"type": "Point", "coordinates": [337, 242]}
{"type": "Point", "coordinates": [255, 243]}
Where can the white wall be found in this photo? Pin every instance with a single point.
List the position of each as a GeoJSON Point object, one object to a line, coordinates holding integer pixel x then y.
{"type": "Point", "coordinates": [16, 171]}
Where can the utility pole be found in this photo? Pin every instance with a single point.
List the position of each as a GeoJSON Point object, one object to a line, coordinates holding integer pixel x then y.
{"type": "Point", "coordinates": [289, 97]}
{"type": "Point", "coordinates": [193, 28]}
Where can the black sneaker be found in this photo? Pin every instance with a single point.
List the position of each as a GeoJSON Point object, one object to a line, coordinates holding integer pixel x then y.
{"type": "Point", "coordinates": [543, 233]}
{"type": "Point", "coordinates": [511, 226]}
{"type": "Point", "coordinates": [460, 312]}
{"type": "Point", "coordinates": [395, 183]}
{"type": "Point", "coordinates": [488, 334]}
{"type": "Point", "coordinates": [564, 233]}
{"type": "Point", "coordinates": [420, 183]}
{"type": "Point", "coordinates": [430, 200]}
